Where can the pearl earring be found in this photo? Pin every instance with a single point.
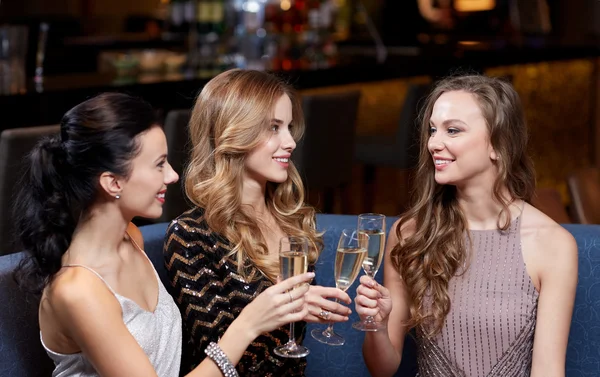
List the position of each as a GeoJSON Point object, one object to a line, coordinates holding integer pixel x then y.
{"type": "Point", "coordinates": [117, 196]}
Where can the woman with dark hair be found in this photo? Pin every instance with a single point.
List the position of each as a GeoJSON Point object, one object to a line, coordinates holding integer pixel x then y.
{"type": "Point", "coordinates": [486, 280]}
{"type": "Point", "coordinates": [103, 309]}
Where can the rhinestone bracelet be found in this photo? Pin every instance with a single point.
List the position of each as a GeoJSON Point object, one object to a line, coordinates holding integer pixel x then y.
{"type": "Point", "coordinates": [217, 355]}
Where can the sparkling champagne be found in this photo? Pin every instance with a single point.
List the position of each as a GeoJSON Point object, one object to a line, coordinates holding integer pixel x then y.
{"type": "Point", "coordinates": [292, 263]}
{"type": "Point", "coordinates": [347, 266]}
{"type": "Point", "coordinates": [374, 256]}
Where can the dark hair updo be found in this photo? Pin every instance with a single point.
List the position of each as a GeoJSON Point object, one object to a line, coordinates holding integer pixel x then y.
{"type": "Point", "coordinates": [96, 136]}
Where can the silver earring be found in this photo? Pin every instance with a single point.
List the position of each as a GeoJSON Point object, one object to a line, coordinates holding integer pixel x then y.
{"type": "Point", "coordinates": [117, 196]}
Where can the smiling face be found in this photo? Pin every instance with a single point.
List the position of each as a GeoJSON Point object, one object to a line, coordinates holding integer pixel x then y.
{"type": "Point", "coordinates": [269, 161]}
{"type": "Point", "coordinates": [459, 141]}
{"type": "Point", "coordinates": [143, 193]}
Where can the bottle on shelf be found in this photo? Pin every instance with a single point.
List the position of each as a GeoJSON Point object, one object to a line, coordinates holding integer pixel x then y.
{"type": "Point", "coordinates": [273, 34]}
{"type": "Point", "coordinates": [176, 16]}
{"type": "Point", "coordinates": [343, 14]}
{"type": "Point", "coordinates": [203, 16]}
{"type": "Point", "coordinates": [217, 16]}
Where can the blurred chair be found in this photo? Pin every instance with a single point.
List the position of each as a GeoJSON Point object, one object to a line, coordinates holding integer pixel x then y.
{"type": "Point", "coordinates": [584, 189]}
{"type": "Point", "coordinates": [176, 130]}
{"type": "Point", "coordinates": [548, 201]}
{"type": "Point", "coordinates": [15, 145]}
{"type": "Point", "coordinates": [400, 151]}
{"type": "Point", "coordinates": [324, 156]}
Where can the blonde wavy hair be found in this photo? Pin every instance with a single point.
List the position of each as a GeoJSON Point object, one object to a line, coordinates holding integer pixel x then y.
{"type": "Point", "coordinates": [431, 256]}
{"type": "Point", "coordinates": [232, 115]}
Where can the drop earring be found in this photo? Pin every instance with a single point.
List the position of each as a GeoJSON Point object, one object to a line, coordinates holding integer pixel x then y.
{"type": "Point", "coordinates": [117, 196]}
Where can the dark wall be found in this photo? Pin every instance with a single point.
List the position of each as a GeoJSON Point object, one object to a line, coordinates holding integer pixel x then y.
{"type": "Point", "coordinates": [571, 19]}
{"type": "Point", "coordinates": [574, 19]}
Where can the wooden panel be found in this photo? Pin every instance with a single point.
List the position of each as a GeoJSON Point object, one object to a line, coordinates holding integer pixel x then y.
{"type": "Point", "coordinates": [557, 98]}
{"type": "Point", "coordinates": [596, 114]}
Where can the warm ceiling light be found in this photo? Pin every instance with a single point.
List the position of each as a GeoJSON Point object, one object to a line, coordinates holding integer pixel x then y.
{"type": "Point", "coordinates": [474, 5]}
{"type": "Point", "coordinates": [285, 4]}
{"type": "Point", "coordinates": [469, 43]}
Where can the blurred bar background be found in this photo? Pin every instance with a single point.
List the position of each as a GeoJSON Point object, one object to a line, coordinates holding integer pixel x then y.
{"type": "Point", "coordinates": [54, 54]}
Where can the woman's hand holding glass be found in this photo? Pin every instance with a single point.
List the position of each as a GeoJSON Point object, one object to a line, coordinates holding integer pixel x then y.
{"type": "Point", "coordinates": [320, 307]}
{"type": "Point", "coordinates": [276, 306]}
{"type": "Point", "coordinates": [371, 226]}
{"type": "Point", "coordinates": [373, 300]}
{"type": "Point", "coordinates": [293, 261]}
{"type": "Point", "coordinates": [351, 252]}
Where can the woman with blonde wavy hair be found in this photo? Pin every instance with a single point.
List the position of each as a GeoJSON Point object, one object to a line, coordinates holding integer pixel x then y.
{"type": "Point", "coordinates": [486, 280]}
{"type": "Point", "coordinates": [222, 256]}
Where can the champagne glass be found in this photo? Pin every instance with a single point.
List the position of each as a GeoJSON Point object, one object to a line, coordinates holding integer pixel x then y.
{"type": "Point", "coordinates": [351, 252]}
{"type": "Point", "coordinates": [293, 260]}
{"type": "Point", "coordinates": [371, 225]}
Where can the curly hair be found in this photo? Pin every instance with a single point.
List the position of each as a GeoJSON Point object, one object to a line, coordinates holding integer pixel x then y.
{"type": "Point", "coordinates": [230, 118]}
{"type": "Point", "coordinates": [428, 258]}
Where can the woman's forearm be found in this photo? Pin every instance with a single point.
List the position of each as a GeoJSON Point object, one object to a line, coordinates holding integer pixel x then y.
{"type": "Point", "coordinates": [233, 343]}
{"type": "Point", "coordinates": [381, 358]}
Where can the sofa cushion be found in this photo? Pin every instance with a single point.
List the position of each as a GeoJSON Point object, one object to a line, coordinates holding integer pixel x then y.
{"type": "Point", "coordinates": [21, 352]}
{"type": "Point", "coordinates": [583, 351]}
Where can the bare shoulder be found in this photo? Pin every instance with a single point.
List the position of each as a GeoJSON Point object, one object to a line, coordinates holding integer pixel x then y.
{"type": "Point", "coordinates": [76, 292]}
{"type": "Point", "coordinates": [135, 234]}
{"type": "Point", "coordinates": [91, 321]}
{"type": "Point", "coordinates": [553, 245]}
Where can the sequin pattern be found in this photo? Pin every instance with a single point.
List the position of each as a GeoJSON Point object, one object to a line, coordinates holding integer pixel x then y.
{"type": "Point", "coordinates": [490, 327]}
{"type": "Point", "coordinates": [211, 294]}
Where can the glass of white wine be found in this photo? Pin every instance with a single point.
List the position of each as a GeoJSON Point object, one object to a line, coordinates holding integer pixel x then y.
{"type": "Point", "coordinates": [293, 260]}
{"type": "Point", "coordinates": [371, 225]}
{"type": "Point", "coordinates": [349, 257]}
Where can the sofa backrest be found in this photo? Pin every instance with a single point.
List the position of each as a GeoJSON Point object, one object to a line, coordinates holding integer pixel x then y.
{"type": "Point", "coordinates": [21, 354]}
{"type": "Point", "coordinates": [583, 351]}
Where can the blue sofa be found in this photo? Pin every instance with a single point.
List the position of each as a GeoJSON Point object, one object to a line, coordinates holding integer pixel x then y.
{"type": "Point", "coordinates": [22, 355]}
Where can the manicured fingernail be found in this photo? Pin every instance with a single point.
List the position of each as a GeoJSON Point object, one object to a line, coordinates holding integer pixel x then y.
{"type": "Point", "coordinates": [311, 274]}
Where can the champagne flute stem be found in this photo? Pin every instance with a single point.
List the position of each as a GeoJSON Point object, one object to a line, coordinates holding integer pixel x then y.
{"type": "Point", "coordinates": [329, 328]}
{"type": "Point", "coordinates": [369, 319]}
{"type": "Point", "coordinates": [292, 336]}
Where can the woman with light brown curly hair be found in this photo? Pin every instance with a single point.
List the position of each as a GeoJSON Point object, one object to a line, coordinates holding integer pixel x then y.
{"type": "Point", "coordinates": [486, 280]}
{"type": "Point", "coordinates": [222, 256]}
